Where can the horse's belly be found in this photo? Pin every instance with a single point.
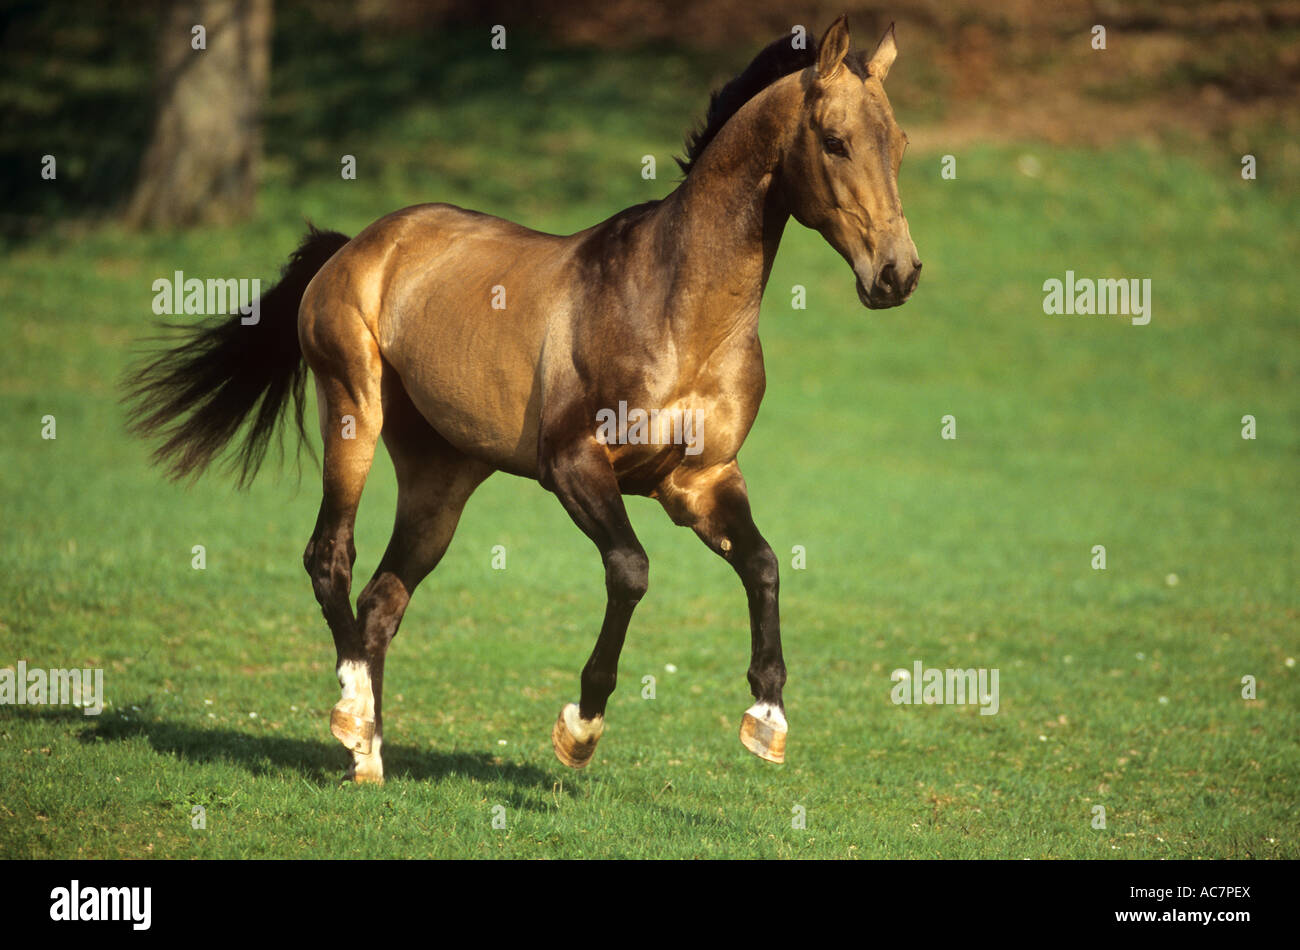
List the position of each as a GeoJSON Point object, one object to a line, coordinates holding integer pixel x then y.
{"type": "Point", "coordinates": [481, 396]}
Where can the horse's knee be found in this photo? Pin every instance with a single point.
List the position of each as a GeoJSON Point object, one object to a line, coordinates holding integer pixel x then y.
{"type": "Point", "coordinates": [627, 575]}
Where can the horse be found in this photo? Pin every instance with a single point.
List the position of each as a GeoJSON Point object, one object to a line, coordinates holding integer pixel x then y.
{"type": "Point", "coordinates": [402, 331]}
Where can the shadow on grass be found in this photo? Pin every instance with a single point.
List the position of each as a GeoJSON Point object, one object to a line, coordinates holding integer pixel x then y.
{"type": "Point", "coordinates": [320, 763]}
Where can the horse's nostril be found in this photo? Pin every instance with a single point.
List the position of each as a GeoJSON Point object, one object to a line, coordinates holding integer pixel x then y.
{"type": "Point", "coordinates": [888, 277]}
{"type": "Point", "coordinates": [916, 265]}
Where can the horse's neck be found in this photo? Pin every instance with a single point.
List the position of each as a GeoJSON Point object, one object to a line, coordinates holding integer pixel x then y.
{"type": "Point", "coordinates": [725, 223]}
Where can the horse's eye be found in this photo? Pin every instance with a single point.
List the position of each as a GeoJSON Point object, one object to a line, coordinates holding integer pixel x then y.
{"type": "Point", "coordinates": [834, 145]}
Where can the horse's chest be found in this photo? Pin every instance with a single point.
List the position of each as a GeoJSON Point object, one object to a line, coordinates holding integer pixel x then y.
{"type": "Point", "coordinates": [696, 416]}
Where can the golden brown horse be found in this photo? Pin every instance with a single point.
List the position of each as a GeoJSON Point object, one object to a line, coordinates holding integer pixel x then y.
{"type": "Point", "coordinates": [471, 345]}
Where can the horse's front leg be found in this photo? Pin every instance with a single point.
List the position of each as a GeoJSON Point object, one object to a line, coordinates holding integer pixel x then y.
{"type": "Point", "coordinates": [715, 502]}
{"type": "Point", "coordinates": [580, 474]}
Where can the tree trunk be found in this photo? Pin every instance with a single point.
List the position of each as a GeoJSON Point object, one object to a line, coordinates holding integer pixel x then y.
{"type": "Point", "coordinates": [201, 166]}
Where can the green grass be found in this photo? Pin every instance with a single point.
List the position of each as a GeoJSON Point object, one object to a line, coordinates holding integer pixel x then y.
{"type": "Point", "coordinates": [1117, 688]}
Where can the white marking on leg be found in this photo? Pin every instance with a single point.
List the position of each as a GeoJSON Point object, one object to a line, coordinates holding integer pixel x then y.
{"type": "Point", "coordinates": [358, 698]}
{"type": "Point", "coordinates": [370, 766]}
{"type": "Point", "coordinates": [582, 730]}
{"type": "Point", "coordinates": [770, 714]}
{"type": "Point", "coordinates": [359, 701]}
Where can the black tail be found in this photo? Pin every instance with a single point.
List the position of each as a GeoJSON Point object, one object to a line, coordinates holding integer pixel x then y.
{"type": "Point", "coordinates": [197, 395]}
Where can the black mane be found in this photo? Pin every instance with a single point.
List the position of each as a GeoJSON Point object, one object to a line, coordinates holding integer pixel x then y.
{"type": "Point", "coordinates": [777, 60]}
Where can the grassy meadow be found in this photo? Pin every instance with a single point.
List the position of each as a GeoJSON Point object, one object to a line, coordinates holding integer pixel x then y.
{"type": "Point", "coordinates": [1120, 688]}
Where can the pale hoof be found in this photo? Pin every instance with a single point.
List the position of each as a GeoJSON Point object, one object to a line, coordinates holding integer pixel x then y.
{"type": "Point", "coordinates": [364, 776]}
{"type": "Point", "coordinates": [355, 733]}
{"type": "Point", "coordinates": [574, 739]}
{"type": "Point", "coordinates": [762, 732]}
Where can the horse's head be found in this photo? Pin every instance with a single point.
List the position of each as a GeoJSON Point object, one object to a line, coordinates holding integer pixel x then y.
{"type": "Point", "coordinates": [840, 175]}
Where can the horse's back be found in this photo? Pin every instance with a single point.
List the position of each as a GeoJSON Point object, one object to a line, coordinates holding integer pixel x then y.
{"type": "Point", "coordinates": [458, 303]}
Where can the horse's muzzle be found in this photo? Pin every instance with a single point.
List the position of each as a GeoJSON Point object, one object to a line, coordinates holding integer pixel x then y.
{"type": "Point", "coordinates": [891, 287]}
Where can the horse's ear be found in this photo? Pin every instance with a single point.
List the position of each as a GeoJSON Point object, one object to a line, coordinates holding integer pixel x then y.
{"type": "Point", "coordinates": [884, 56]}
{"type": "Point", "coordinates": [831, 50]}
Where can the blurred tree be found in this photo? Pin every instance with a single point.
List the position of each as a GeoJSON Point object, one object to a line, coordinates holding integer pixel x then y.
{"type": "Point", "coordinates": [201, 165]}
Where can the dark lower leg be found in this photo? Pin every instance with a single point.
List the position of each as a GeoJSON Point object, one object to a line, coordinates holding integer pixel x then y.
{"type": "Point", "coordinates": [582, 478]}
{"type": "Point", "coordinates": [727, 526]}
{"type": "Point", "coordinates": [759, 573]}
{"type": "Point", "coordinates": [626, 579]}
{"type": "Point", "coordinates": [716, 504]}
{"type": "Point", "coordinates": [432, 491]}
{"type": "Point", "coordinates": [380, 609]}
{"type": "Point", "coordinates": [328, 560]}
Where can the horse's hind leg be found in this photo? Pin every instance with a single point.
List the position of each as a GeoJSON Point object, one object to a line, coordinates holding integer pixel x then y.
{"type": "Point", "coordinates": [434, 481]}
{"type": "Point", "coordinates": [348, 370]}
